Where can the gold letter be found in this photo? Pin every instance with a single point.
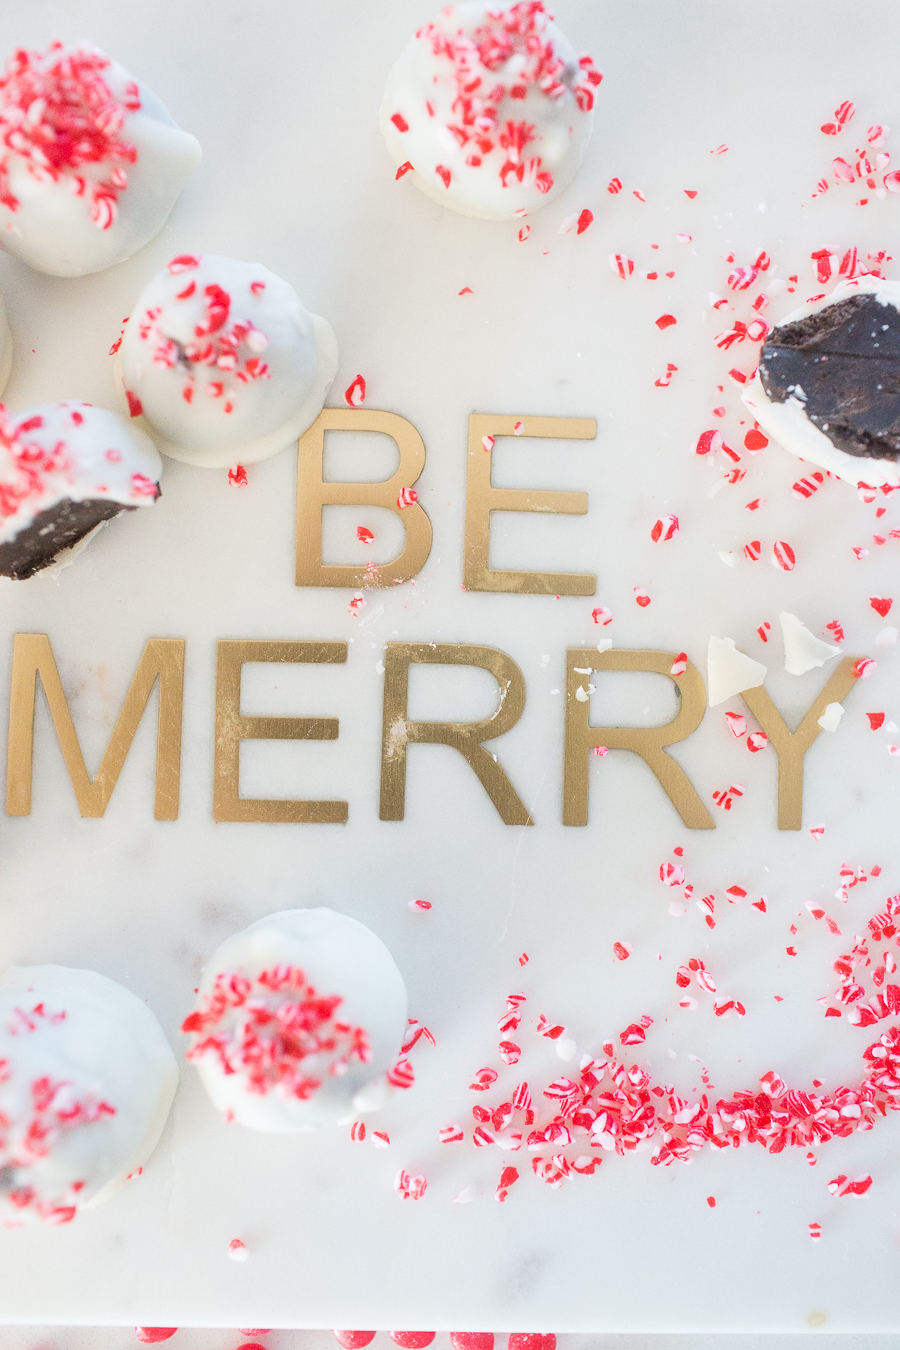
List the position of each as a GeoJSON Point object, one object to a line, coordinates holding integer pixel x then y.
{"type": "Point", "coordinates": [466, 737]}
{"type": "Point", "coordinates": [791, 747]}
{"type": "Point", "coordinates": [313, 493]}
{"type": "Point", "coordinates": [33, 656]}
{"type": "Point", "coordinates": [482, 498]}
{"type": "Point", "coordinates": [232, 727]}
{"type": "Point", "coordinates": [648, 742]}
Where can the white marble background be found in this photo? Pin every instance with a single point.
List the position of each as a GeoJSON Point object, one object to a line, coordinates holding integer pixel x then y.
{"type": "Point", "coordinates": [283, 97]}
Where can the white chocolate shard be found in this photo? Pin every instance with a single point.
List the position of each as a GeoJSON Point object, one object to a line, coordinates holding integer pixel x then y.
{"type": "Point", "coordinates": [729, 671]}
{"type": "Point", "coordinates": [831, 717]}
{"type": "Point", "coordinates": [803, 651]}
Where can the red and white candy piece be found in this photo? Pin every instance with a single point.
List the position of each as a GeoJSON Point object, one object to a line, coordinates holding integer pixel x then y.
{"type": "Point", "coordinates": [411, 1188]}
{"type": "Point", "coordinates": [666, 527]}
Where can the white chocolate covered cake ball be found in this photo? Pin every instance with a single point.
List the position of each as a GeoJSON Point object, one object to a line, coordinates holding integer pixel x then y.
{"type": "Point", "coordinates": [91, 163]}
{"type": "Point", "coordinates": [65, 468]}
{"type": "Point", "coordinates": [223, 363]}
{"type": "Point", "coordinates": [86, 1083]}
{"type": "Point", "coordinates": [828, 384]}
{"type": "Point", "coordinates": [490, 108]}
{"type": "Point", "coordinates": [298, 1019]}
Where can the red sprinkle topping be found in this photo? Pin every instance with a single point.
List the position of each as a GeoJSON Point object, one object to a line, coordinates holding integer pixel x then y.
{"type": "Point", "coordinates": [57, 113]}
{"type": "Point", "coordinates": [268, 1029]}
{"type": "Point", "coordinates": [233, 348]}
{"type": "Point", "coordinates": [55, 1107]}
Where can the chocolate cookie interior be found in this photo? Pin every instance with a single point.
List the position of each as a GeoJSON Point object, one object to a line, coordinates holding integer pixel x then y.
{"type": "Point", "coordinates": [843, 364]}
{"type": "Point", "coordinates": [57, 528]}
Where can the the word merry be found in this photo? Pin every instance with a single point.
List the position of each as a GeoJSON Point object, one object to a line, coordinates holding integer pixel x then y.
{"type": "Point", "coordinates": [163, 660]}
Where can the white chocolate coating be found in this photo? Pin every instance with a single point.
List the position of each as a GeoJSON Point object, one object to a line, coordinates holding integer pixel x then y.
{"type": "Point", "coordinates": [71, 451]}
{"type": "Point", "coordinates": [69, 210]}
{"type": "Point", "coordinates": [788, 422]}
{"type": "Point", "coordinates": [6, 347]}
{"type": "Point", "coordinates": [496, 105]}
{"type": "Point", "coordinates": [282, 968]}
{"type": "Point", "coordinates": [87, 1080]}
{"type": "Point", "coordinates": [222, 364]}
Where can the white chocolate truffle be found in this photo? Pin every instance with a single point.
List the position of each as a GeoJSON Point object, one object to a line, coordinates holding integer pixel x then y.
{"type": "Point", "coordinates": [222, 362]}
{"type": "Point", "coordinates": [298, 1019]}
{"type": "Point", "coordinates": [490, 108]}
{"type": "Point", "coordinates": [91, 163]}
{"type": "Point", "coordinates": [802, 429]}
{"type": "Point", "coordinates": [64, 469]}
{"type": "Point", "coordinates": [86, 1084]}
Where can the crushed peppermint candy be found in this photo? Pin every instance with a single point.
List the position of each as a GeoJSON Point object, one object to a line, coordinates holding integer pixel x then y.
{"type": "Point", "coordinates": [59, 115]}
{"type": "Point", "coordinates": [275, 1031]}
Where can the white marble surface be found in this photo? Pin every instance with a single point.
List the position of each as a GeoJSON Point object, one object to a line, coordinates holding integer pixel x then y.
{"type": "Point", "coordinates": [284, 99]}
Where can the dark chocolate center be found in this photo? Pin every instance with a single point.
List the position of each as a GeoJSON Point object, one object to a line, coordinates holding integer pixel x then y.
{"type": "Point", "coordinates": [845, 360]}
{"type": "Point", "coordinates": [55, 529]}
